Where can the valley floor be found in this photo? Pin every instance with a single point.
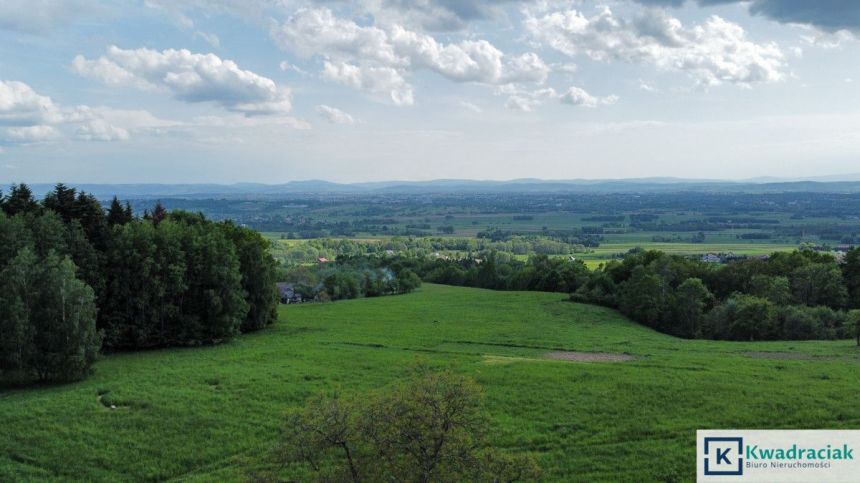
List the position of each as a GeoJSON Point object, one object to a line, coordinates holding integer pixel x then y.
{"type": "Point", "coordinates": [629, 413]}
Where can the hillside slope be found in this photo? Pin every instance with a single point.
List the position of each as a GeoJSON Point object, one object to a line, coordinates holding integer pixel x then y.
{"type": "Point", "coordinates": [213, 413]}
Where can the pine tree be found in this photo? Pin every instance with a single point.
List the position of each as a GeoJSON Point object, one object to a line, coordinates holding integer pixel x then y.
{"type": "Point", "coordinates": [62, 201]}
{"type": "Point", "coordinates": [20, 200]}
{"type": "Point", "coordinates": [158, 213]}
{"type": "Point", "coordinates": [117, 213]}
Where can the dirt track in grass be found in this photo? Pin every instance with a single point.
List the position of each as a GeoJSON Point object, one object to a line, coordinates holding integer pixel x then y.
{"type": "Point", "coordinates": [589, 356]}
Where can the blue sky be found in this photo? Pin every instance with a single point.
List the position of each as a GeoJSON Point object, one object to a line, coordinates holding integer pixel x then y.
{"type": "Point", "coordinates": [130, 91]}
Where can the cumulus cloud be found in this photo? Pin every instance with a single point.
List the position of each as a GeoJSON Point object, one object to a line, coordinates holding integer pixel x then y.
{"type": "Point", "coordinates": [28, 134]}
{"type": "Point", "coordinates": [334, 115]}
{"type": "Point", "coordinates": [101, 130]}
{"type": "Point", "coordinates": [713, 53]}
{"type": "Point", "coordinates": [577, 96]}
{"type": "Point", "coordinates": [30, 117]}
{"type": "Point", "coordinates": [21, 105]}
{"type": "Point", "coordinates": [352, 51]}
{"type": "Point", "coordinates": [527, 100]}
{"type": "Point", "coordinates": [386, 81]}
{"type": "Point", "coordinates": [188, 77]}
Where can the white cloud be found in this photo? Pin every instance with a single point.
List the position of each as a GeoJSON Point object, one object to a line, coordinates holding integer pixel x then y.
{"type": "Point", "coordinates": [33, 117]}
{"type": "Point", "coordinates": [236, 121]}
{"type": "Point", "coordinates": [32, 134]}
{"type": "Point", "coordinates": [334, 115]}
{"type": "Point", "coordinates": [312, 31]}
{"type": "Point", "coordinates": [21, 105]}
{"type": "Point", "coordinates": [713, 53]}
{"type": "Point", "coordinates": [471, 107]}
{"type": "Point", "coordinates": [101, 130]}
{"type": "Point", "coordinates": [208, 37]}
{"type": "Point", "coordinates": [380, 80]}
{"type": "Point", "coordinates": [525, 100]}
{"type": "Point", "coordinates": [375, 59]}
{"type": "Point", "coordinates": [826, 40]}
{"type": "Point", "coordinates": [647, 86]}
{"type": "Point", "coordinates": [189, 77]}
{"type": "Point", "coordinates": [286, 67]}
{"type": "Point", "coordinates": [579, 97]}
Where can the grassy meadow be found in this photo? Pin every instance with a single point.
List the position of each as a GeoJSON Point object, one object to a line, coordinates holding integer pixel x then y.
{"type": "Point", "coordinates": [213, 413]}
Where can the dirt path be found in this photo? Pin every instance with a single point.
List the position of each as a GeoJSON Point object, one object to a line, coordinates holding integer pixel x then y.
{"type": "Point", "coordinates": [589, 356]}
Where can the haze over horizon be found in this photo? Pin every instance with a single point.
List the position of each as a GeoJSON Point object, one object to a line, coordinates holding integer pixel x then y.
{"type": "Point", "coordinates": [227, 91]}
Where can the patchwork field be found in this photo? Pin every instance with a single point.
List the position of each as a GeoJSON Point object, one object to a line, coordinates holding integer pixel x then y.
{"type": "Point", "coordinates": [592, 395]}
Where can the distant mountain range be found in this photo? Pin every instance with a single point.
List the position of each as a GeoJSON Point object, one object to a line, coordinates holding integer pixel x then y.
{"type": "Point", "coordinates": [842, 184]}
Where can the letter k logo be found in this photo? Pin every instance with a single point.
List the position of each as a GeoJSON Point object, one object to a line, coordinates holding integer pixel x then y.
{"type": "Point", "coordinates": [723, 456]}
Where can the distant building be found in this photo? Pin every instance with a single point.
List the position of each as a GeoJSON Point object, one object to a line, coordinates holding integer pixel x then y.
{"type": "Point", "coordinates": [287, 293]}
{"type": "Point", "coordinates": [323, 260]}
{"type": "Point", "coordinates": [712, 258]}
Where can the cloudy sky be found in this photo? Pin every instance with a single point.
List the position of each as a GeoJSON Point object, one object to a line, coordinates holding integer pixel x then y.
{"type": "Point", "coordinates": [130, 91]}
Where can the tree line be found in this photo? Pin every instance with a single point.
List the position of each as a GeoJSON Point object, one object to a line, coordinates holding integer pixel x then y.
{"type": "Point", "coordinates": [798, 295]}
{"type": "Point", "coordinates": [76, 279]}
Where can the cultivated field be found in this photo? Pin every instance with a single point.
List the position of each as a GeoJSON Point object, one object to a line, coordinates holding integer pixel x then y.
{"type": "Point", "coordinates": [628, 413]}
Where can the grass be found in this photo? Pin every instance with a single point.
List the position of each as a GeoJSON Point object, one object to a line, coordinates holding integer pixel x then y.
{"type": "Point", "coordinates": [213, 413]}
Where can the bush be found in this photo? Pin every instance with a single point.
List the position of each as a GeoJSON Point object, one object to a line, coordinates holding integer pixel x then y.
{"type": "Point", "coordinates": [429, 428]}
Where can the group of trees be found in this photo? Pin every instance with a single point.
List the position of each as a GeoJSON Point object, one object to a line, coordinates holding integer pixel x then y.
{"type": "Point", "coordinates": [351, 277]}
{"type": "Point", "coordinates": [428, 428]}
{"type": "Point", "coordinates": [787, 296]}
{"type": "Point", "coordinates": [77, 278]}
{"type": "Point", "coordinates": [797, 295]}
{"type": "Point", "coordinates": [489, 269]}
{"type": "Point", "coordinates": [311, 250]}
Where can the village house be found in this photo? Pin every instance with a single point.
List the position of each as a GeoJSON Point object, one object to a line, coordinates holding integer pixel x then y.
{"type": "Point", "coordinates": [288, 294]}
{"type": "Point", "coordinates": [712, 258]}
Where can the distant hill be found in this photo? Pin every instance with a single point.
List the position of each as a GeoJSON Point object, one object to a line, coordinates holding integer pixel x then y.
{"type": "Point", "coordinates": [441, 186]}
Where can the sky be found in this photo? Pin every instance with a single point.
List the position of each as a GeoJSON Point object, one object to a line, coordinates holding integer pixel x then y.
{"type": "Point", "coordinates": [271, 91]}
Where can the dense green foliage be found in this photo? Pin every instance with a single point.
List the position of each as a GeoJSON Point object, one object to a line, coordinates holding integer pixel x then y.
{"type": "Point", "coordinates": [497, 271]}
{"type": "Point", "coordinates": [429, 427]}
{"type": "Point", "coordinates": [351, 277]}
{"type": "Point", "coordinates": [798, 295]}
{"type": "Point", "coordinates": [215, 413]}
{"type": "Point", "coordinates": [80, 274]}
{"type": "Point", "coordinates": [47, 318]}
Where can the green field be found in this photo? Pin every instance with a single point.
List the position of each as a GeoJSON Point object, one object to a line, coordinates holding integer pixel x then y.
{"type": "Point", "coordinates": [609, 251]}
{"type": "Point", "coordinates": [213, 413]}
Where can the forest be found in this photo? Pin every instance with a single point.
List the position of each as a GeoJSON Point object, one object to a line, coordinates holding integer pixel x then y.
{"type": "Point", "coordinates": [77, 280]}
